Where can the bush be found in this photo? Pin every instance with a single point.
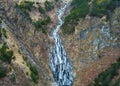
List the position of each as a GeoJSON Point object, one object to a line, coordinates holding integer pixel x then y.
{"type": "Point", "coordinates": [34, 69]}
{"type": "Point", "coordinates": [68, 31]}
{"type": "Point", "coordinates": [25, 7]}
{"type": "Point", "coordinates": [34, 77]}
{"type": "Point", "coordinates": [42, 25]}
{"type": "Point", "coordinates": [3, 72]}
{"type": "Point", "coordinates": [34, 73]}
{"type": "Point", "coordinates": [5, 55]}
{"type": "Point", "coordinates": [0, 21]}
{"type": "Point", "coordinates": [48, 6]}
{"type": "Point", "coordinates": [41, 10]}
{"type": "Point", "coordinates": [0, 32]}
{"type": "Point", "coordinates": [3, 32]}
{"type": "Point", "coordinates": [13, 77]}
{"type": "Point", "coordinates": [56, 0]}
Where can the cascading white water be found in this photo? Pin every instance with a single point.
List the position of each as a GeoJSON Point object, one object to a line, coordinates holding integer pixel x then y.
{"type": "Point", "coordinates": [60, 65]}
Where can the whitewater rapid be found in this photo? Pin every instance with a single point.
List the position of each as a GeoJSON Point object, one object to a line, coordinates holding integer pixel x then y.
{"type": "Point", "coordinates": [60, 65]}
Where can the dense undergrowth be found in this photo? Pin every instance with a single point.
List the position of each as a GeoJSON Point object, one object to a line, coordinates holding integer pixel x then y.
{"type": "Point", "coordinates": [81, 8]}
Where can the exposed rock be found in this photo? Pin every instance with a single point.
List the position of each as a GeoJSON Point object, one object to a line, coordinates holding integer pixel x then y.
{"type": "Point", "coordinates": [92, 36]}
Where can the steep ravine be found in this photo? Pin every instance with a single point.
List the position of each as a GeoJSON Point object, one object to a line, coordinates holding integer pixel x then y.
{"type": "Point", "coordinates": [75, 59]}
{"type": "Point", "coordinates": [60, 64]}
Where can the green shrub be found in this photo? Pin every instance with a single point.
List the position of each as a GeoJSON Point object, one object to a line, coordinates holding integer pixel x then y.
{"type": "Point", "coordinates": [68, 31]}
{"type": "Point", "coordinates": [41, 10]}
{"type": "Point", "coordinates": [13, 77]}
{"type": "Point", "coordinates": [48, 6]}
{"type": "Point", "coordinates": [34, 73]}
{"type": "Point", "coordinates": [27, 73]}
{"type": "Point", "coordinates": [3, 72]}
{"type": "Point", "coordinates": [56, 0]}
{"type": "Point", "coordinates": [24, 58]}
{"type": "Point", "coordinates": [25, 7]}
{"type": "Point", "coordinates": [0, 32]}
{"type": "Point", "coordinates": [0, 21]}
{"type": "Point", "coordinates": [34, 77]}
{"type": "Point", "coordinates": [6, 55]}
{"type": "Point", "coordinates": [34, 69]}
{"type": "Point", "coordinates": [42, 25]}
{"type": "Point", "coordinates": [4, 33]}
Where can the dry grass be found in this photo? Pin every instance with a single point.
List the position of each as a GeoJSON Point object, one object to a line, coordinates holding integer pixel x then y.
{"type": "Point", "coordinates": [14, 46]}
{"type": "Point", "coordinates": [88, 74]}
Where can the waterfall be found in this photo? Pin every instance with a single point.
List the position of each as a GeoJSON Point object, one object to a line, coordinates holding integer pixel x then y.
{"type": "Point", "coordinates": [60, 65]}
